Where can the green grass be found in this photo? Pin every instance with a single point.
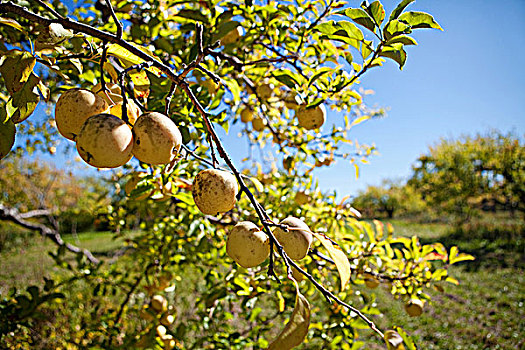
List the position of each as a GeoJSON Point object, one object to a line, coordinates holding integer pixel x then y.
{"type": "Point", "coordinates": [486, 311]}
{"type": "Point", "coordinates": [26, 260]}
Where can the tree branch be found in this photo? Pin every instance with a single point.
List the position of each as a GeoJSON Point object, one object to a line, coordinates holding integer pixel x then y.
{"type": "Point", "coordinates": [13, 215]}
{"type": "Point", "coordinates": [33, 213]}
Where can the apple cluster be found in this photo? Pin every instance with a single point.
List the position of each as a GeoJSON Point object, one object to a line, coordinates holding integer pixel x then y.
{"type": "Point", "coordinates": [215, 191]}
{"type": "Point", "coordinates": [93, 119]}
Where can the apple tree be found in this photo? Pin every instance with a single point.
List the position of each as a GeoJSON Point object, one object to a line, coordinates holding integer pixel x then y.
{"type": "Point", "coordinates": [486, 172]}
{"type": "Point", "coordinates": [226, 251]}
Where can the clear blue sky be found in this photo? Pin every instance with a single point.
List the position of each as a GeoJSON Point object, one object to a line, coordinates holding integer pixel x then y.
{"type": "Point", "coordinates": [467, 79]}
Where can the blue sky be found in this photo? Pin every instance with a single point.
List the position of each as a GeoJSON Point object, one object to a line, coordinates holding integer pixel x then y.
{"type": "Point", "coordinates": [467, 79]}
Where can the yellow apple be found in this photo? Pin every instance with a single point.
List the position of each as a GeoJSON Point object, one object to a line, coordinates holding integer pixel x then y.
{"type": "Point", "coordinates": [296, 241]}
{"type": "Point", "coordinates": [214, 191]}
{"type": "Point", "coordinates": [157, 139]}
{"type": "Point", "coordinates": [105, 141]}
{"type": "Point", "coordinates": [74, 107]}
{"type": "Point", "coordinates": [247, 244]}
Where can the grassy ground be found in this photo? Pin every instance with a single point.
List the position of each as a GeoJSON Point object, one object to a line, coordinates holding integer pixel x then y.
{"type": "Point", "coordinates": [25, 260]}
{"type": "Point", "coordinates": [486, 311]}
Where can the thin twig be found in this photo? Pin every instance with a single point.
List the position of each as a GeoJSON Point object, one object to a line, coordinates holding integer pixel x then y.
{"type": "Point", "coordinates": [121, 77]}
{"type": "Point", "coordinates": [103, 60]}
{"type": "Point", "coordinates": [313, 24]}
{"type": "Point", "coordinates": [50, 9]}
{"type": "Point", "coordinates": [115, 19]}
{"type": "Point", "coordinates": [169, 97]}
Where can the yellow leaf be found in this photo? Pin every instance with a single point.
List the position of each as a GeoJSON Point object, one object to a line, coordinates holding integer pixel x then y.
{"type": "Point", "coordinates": [108, 68]}
{"type": "Point", "coordinates": [339, 257]}
{"type": "Point", "coordinates": [379, 228]}
{"type": "Point", "coordinates": [360, 120]}
{"type": "Point", "coordinates": [141, 83]}
{"type": "Point", "coordinates": [281, 301]}
{"type": "Point", "coordinates": [452, 280]}
{"type": "Point", "coordinates": [258, 185]}
{"type": "Point", "coordinates": [296, 329]}
{"type": "Point", "coordinates": [16, 68]}
{"type": "Point", "coordinates": [12, 23]}
{"type": "Point", "coordinates": [393, 340]}
{"type": "Point", "coordinates": [126, 56]}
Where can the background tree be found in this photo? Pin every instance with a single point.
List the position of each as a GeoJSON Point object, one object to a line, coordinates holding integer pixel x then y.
{"type": "Point", "coordinates": [391, 198]}
{"type": "Point", "coordinates": [68, 202]}
{"type": "Point", "coordinates": [268, 70]}
{"type": "Point", "coordinates": [481, 172]}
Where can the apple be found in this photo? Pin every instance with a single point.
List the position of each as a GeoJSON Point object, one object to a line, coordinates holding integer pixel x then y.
{"type": "Point", "coordinates": [74, 107]}
{"type": "Point", "coordinates": [296, 241]}
{"type": "Point", "coordinates": [311, 118]}
{"type": "Point", "coordinates": [247, 244]}
{"type": "Point", "coordinates": [157, 139]}
{"type": "Point", "coordinates": [105, 141]}
{"type": "Point", "coordinates": [214, 191]}
{"type": "Point", "coordinates": [414, 307]}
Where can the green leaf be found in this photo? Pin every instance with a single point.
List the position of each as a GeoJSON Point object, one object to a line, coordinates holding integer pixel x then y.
{"type": "Point", "coordinates": [366, 48]}
{"type": "Point", "coordinates": [16, 67]}
{"type": "Point", "coordinates": [359, 16]}
{"type": "Point", "coordinates": [225, 28]}
{"type": "Point", "coordinates": [341, 28]}
{"type": "Point", "coordinates": [26, 100]}
{"type": "Point", "coordinates": [296, 329]}
{"type": "Point", "coordinates": [224, 17]}
{"type": "Point", "coordinates": [7, 134]}
{"type": "Point", "coordinates": [395, 28]}
{"type": "Point", "coordinates": [288, 78]}
{"type": "Point", "coordinates": [399, 9]}
{"type": "Point", "coordinates": [327, 28]}
{"type": "Point", "coordinates": [378, 61]}
{"type": "Point", "coordinates": [319, 74]}
{"type": "Point", "coordinates": [395, 53]}
{"type": "Point", "coordinates": [419, 20]}
{"type": "Point", "coordinates": [234, 88]}
{"type": "Point", "coordinates": [192, 14]}
{"type": "Point", "coordinates": [409, 342]}
{"type": "Point", "coordinates": [377, 12]}
{"type": "Point", "coordinates": [348, 57]}
{"type": "Point", "coordinates": [403, 39]}
{"type": "Point", "coordinates": [351, 30]}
